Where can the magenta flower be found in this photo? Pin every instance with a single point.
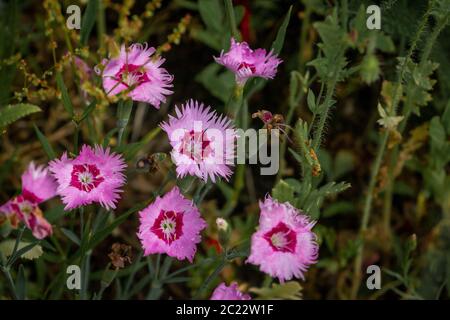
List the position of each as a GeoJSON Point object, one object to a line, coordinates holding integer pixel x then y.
{"type": "Point", "coordinates": [136, 71]}
{"type": "Point", "coordinates": [284, 245]}
{"type": "Point", "coordinates": [202, 142]}
{"type": "Point", "coordinates": [171, 225]}
{"type": "Point", "coordinates": [246, 63]}
{"type": "Point", "coordinates": [31, 215]}
{"type": "Point", "coordinates": [95, 175]}
{"type": "Point", "coordinates": [37, 186]}
{"type": "Point", "coordinates": [222, 292]}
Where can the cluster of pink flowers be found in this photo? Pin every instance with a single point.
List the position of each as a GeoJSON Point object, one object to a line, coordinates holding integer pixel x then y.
{"type": "Point", "coordinates": [284, 244]}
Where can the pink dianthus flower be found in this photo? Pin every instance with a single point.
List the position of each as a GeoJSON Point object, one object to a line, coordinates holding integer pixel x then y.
{"type": "Point", "coordinates": [171, 225]}
{"type": "Point", "coordinates": [139, 72]}
{"type": "Point", "coordinates": [95, 175]}
{"type": "Point", "coordinates": [246, 63]}
{"type": "Point", "coordinates": [284, 245]}
{"type": "Point", "coordinates": [203, 143]}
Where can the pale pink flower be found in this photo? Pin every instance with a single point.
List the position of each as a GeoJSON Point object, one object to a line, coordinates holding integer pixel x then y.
{"type": "Point", "coordinates": [284, 245]}
{"type": "Point", "coordinates": [38, 184]}
{"type": "Point", "coordinates": [222, 292]}
{"type": "Point", "coordinates": [138, 72]}
{"type": "Point", "coordinates": [246, 63]}
{"type": "Point", "coordinates": [203, 143]}
{"type": "Point", "coordinates": [94, 176]}
{"type": "Point", "coordinates": [171, 225]}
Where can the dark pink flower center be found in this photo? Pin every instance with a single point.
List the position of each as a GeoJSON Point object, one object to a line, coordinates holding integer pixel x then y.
{"type": "Point", "coordinates": [267, 116]}
{"type": "Point", "coordinates": [196, 145]}
{"type": "Point", "coordinates": [168, 226]}
{"type": "Point", "coordinates": [131, 75]}
{"type": "Point", "coordinates": [86, 177]}
{"type": "Point", "coordinates": [282, 238]}
{"type": "Point", "coordinates": [248, 66]}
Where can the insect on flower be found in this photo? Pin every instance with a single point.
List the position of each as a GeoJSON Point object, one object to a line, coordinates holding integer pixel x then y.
{"type": "Point", "coordinates": [152, 162]}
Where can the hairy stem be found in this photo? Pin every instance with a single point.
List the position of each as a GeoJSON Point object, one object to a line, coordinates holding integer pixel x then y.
{"type": "Point", "coordinates": [323, 117]}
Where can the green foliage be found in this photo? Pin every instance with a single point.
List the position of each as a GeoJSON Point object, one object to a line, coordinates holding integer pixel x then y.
{"type": "Point", "coordinates": [45, 144]}
{"type": "Point", "coordinates": [333, 44]}
{"type": "Point", "coordinates": [67, 103]}
{"type": "Point", "coordinates": [418, 78]}
{"type": "Point", "coordinates": [12, 113]}
{"type": "Point", "coordinates": [302, 196]}
{"type": "Point", "coordinates": [88, 21]}
{"type": "Point", "coordinates": [290, 290]}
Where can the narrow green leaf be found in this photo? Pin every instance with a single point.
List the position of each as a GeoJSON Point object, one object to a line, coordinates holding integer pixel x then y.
{"type": "Point", "coordinates": [177, 280]}
{"type": "Point", "coordinates": [45, 144]}
{"type": "Point", "coordinates": [232, 19]}
{"type": "Point", "coordinates": [102, 234]}
{"type": "Point", "coordinates": [87, 111]}
{"type": "Point", "coordinates": [281, 34]}
{"type": "Point", "coordinates": [108, 137]}
{"type": "Point", "coordinates": [22, 251]}
{"type": "Point", "coordinates": [88, 21]}
{"type": "Point", "coordinates": [12, 113]}
{"type": "Point", "coordinates": [21, 283]}
{"type": "Point", "coordinates": [71, 235]}
{"type": "Point", "coordinates": [64, 94]}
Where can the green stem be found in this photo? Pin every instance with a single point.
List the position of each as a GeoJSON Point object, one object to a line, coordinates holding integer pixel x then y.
{"type": "Point", "coordinates": [101, 26]}
{"type": "Point", "coordinates": [324, 116]}
{"type": "Point", "coordinates": [319, 98]}
{"type": "Point", "coordinates": [85, 257]}
{"type": "Point", "coordinates": [235, 102]}
{"type": "Point", "coordinates": [211, 277]}
{"type": "Point", "coordinates": [16, 246]}
{"type": "Point", "coordinates": [156, 288]}
{"type": "Point", "coordinates": [9, 280]}
{"type": "Point", "coordinates": [232, 19]}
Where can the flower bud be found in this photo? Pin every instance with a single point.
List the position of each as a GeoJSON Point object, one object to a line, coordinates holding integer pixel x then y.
{"type": "Point", "coordinates": [222, 224]}
{"type": "Point", "coordinates": [224, 231]}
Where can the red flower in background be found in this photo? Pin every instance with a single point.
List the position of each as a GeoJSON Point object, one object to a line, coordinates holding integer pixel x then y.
{"type": "Point", "coordinates": [244, 27]}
